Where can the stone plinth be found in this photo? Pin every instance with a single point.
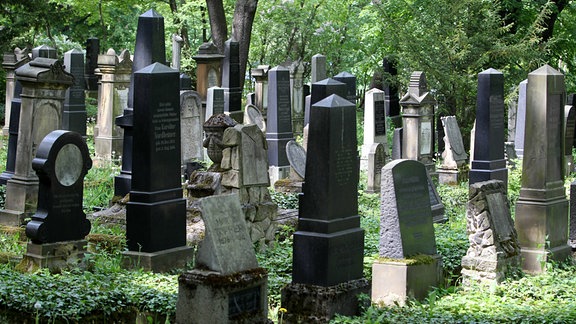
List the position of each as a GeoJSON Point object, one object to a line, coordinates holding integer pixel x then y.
{"type": "Point", "coordinates": [56, 257]}
{"type": "Point", "coordinates": [316, 304]}
{"type": "Point", "coordinates": [210, 297]}
{"type": "Point", "coordinates": [161, 261]}
{"type": "Point", "coordinates": [396, 281]}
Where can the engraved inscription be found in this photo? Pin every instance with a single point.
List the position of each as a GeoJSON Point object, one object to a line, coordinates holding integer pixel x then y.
{"type": "Point", "coordinates": [65, 203]}
{"type": "Point", "coordinates": [426, 137]}
{"type": "Point", "coordinates": [554, 124]}
{"type": "Point", "coordinates": [345, 165]}
{"type": "Point", "coordinates": [165, 121]}
{"type": "Point", "coordinates": [379, 118]}
{"type": "Point", "coordinates": [283, 102]}
{"type": "Point", "coordinates": [244, 301]}
{"type": "Point", "coordinates": [496, 112]}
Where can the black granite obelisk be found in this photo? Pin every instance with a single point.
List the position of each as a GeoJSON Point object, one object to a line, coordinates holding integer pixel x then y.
{"type": "Point", "coordinates": [489, 162]}
{"type": "Point", "coordinates": [74, 113]}
{"type": "Point", "coordinates": [150, 48]}
{"type": "Point", "coordinates": [350, 81]}
{"type": "Point", "coordinates": [323, 89]}
{"type": "Point", "coordinates": [156, 213]}
{"type": "Point", "coordinates": [231, 80]}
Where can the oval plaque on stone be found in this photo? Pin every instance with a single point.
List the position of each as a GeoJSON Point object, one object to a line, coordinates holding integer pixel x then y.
{"type": "Point", "coordinates": [68, 165]}
{"type": "Point", "coordinates": [255, 117]}
{"type": "Point", "coordinates": [297, 157]}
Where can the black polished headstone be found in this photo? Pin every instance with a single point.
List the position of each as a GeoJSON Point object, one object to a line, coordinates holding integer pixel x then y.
{"type": "Point", "coordinates": [91, 64]}
{"type": "Point", "coordinates": [489, 162]}
{"type": "Point", "coordinates": [279, 116]}
{"type": "Point", "coordinates": [397, 144]}
{"type": "Point", "coordinates": [329, 244]}
{"type": "Point", "coordinates": [231, 77]}
{"type": "Point", "coordinates": [44, 51]}
{"type": "Point", "coordinates": [185, 82]}
{"type": "Point", "coordinates": [12, 134]}
{"type": "Point", "coordinates": [350, 81]}
{"type": "Point", "coordinates": [62, 160]}
{"type": "Point", "coordinates": [156, 212]}
{"type": "Point", "coordinates": [150, 48]}
{"type": "Point", "coordinates": [390, 88]}
{"type": "Point", "coordinates": [321, 90]}
{"type": "Point", "coordinates": [74, 112]}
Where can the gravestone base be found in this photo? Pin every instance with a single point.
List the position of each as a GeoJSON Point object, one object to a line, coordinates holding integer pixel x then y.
{"type": "Point", "coordinates": [288, 186]}
{"type": "Point", "coordinates": [536, 219]}
{"type": "Point", "coordinates": [278, 172]}
{"type": "Point", "coordinates": [161, 261]}
{"type": "Point", "coordinates": [107, 148]}
{"type": "Point", "coordinates": [316, 304]}
{"type": "Point", "coordinates": [22, 196]}
{"type": "Point", "coordinates": [438, 215]}
{"type": "Point", "coordinates": [12, 217]}
{"type": "Point", "coordinates": [56, 257]}
{"type": "Point", "coordinates": [210, 297]}
{"type": "Point", "coordinates": [487, 270]}
{"type": "Point", "coordinates": [395, 282]}
{"type": "Point", "coordinates": [451, 176]}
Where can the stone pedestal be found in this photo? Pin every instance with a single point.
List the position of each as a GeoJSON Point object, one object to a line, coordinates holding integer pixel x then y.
{"type": "Point", "coordinates": [278, 172]}
{"type": "Point", "coordinates": [210, 297]}
{"type": "Point", "coordinates": [396, 281]}
{"type": "Point", "coordinates": [56, 257]}
{"type": "Point", "coordinates": [452, 176]}
{"type": "Point", "coordinates": [161, 261]}
{"type": "Point", "coordinates": [316, 304]}
{"type": "Point", "coordinates": [208, 71]}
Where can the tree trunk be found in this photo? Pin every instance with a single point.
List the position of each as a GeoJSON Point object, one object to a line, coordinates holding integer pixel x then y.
{"type": "Point", "coordinates": [244, 14]}
{"type": "Point", "coordinates": [549, 22]}
{"type": "Point", "coordinates": [217, 23]}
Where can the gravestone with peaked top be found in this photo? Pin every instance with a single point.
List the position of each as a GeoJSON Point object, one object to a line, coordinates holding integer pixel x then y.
{"type": "Point", "coordinates": [350, 81]}
{"type": "Point", "coordinates": [226, 284]}
{"type": "Point", "coordinates": [406, 232]}
{"type": "Point", "coordinates": [323, 89]}
{"type": "Point", "coordinates": [542, 208]}
{"type": "Point", "coordinates": [488, 162]}
{"type": "Point", "coordinates": [279, 122]}
{"type": "Point", "coordinates": [156, 212]}
{"type": "Point", "coordinates": [74, 114]}
{"type": "Point", "coordinates": [149, 48]}
{"type": "Point", "coordinates": [374, 124]}
{"type": "Point", "coordinates": [329, 243]}
{"type": "Point", "coordinates": [44, 83]}
{"type": "Point", "coordinates": [60, 224]}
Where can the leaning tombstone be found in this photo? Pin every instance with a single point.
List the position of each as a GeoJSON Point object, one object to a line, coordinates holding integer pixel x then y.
{"type": "Point", "coordinates": [376, 160]}
{"type": "Point", "coordinates": [542, 208]}
{"type": "Point", "coordinates": [297, 158]}
{"type": "Point", "coordinates": [454, 168]}
{"type": "Point", "coordinates": [409, 265]}
{"type": "Point", "coordinates": [253, 116]}
{"type": "Point", "coordinates": [226, 284]}
{"type": "Point", "coordinates": [494, 249]}
{"type": "Point", "coordinates": [59, 226]}
{"type": "Point", "coordinates": [328, 246]}
{"type": "Point", "coordinates": [156, 212]}
{"type": "Point", "coordinates": [44, 82]}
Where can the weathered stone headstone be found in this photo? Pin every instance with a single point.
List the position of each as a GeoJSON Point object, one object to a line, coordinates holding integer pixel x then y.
{"type": "Point", "coordinates": [44, 83]}
{"type": "Point", "coordinates": [494, 248]}
{"type": "Point", "coordinates": [438, 215]}
{"type": "Point", "coordinates": [350, 81]}
{"type": "Point", "coordinates": [13, 118]}
{"type": "Point", "coordinates": [318, 68]}
{"type": "Point", "coordinates": [542, 208]}
{"type": "Point", "coordinates": [252, 115]}
{"type": "Point", "coordinates": [418, 120]}
{"type": "Point", "coordinates": [521, 119]}
{"type": "Point", "coordinates": [297, 158]}
{"type": "Point", "coordinates": [279, 122]}
{"type": "Point", "coordinates": [406, 231]}
{"type": "Point", "coordinates": [452, 170]}
{"type": "Point", "coordinates": [260, 75]}
{"type": "Point", "coordinates": [156, 212]}
{"type": "Point", "coordinates": [397, 144]}
{"type": "Point", "coordinates": [329, 243]}
{"type": "Point", "coordinates": [149, 48]}
{"type": "Point", "coordinates": [376, 160]}
{"type": "Point", "coordinates": [74, 114]}
{"type": "Point", "coordinates": [226, 284]}
{"type": "Point", "coordinates": [488, 162]}
{"type": "Point", "coordinates": [214, 102]}
{"type": "Point", "coordinates": [177, 41]}
{"type": "Point", "coordinates": [391, 98]}
{"type": "Point", "coordinates": [297, 94]}
{"type": "Point", "coordinates": [191, 122]}
{"type": "Point", "coordinates": [569, 124]}
{"type": "Point", "coordinates": [208, 69]}
{"type": "Point", "coordinates": [10, 63]}
{"type": "Point", "coordinates": [231, 79]}
{"type": "Point", "coordinates": [91, 64]}
{"type": "Point", "coordinates": [374, 123]}
{"type": "Point", "coordinates": [60, 224]}
{"type": "Point", "coordinates": [115, 72]}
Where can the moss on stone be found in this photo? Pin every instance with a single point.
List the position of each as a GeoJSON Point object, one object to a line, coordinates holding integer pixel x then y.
{"type": "Point", "coordinates": [413, 260]}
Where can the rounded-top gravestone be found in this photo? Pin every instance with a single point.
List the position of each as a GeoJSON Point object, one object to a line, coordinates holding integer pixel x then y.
{"type": "Point", "coordinates": [297, 157]}
{"type": "Point", "coordinates": [62, 160]}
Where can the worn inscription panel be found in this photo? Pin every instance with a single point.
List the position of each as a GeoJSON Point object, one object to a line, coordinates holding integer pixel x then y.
{"type": "Point", "coordinates": [345, 164]}
{"type": "Point", "coordinates": [503, 227]}
{"type": "Point", "coordinates": [244, 302]}
{"type": "Point", "coordinates": [165, 120]}
{"type": "Point", "coordinates": [379, 118]}
{"type": "Point", "coordinates": [496, 112]}
{"type": "Point", "coordinates": [283, 103]}
{"type": "Point", "coordinates": [68, 165]}
{"type": "Point", "coordinates": [426, 137]}
{"type": "Point", "coordinates": [555, 133]}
